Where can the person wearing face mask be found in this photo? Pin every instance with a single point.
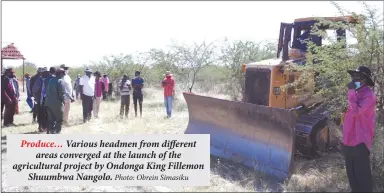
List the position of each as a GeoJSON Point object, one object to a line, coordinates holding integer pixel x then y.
{"type": "Point", "coordinates": [358, 129]}
{"type": "Point", "coordinates": [55, 101]}
{"type": "Point", "coordinates": [69, 98]}
{"type": "Point", "coordinates": [87, 93]}
{"type": "Point", "coordinates": [169, 92]}
{"type": "Point", "coordinates": [9, 94]}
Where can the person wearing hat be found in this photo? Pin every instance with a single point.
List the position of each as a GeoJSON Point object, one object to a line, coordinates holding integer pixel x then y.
{"type": "Point", "coordinates": [9, 94]}
{"type": "Point", "coordinates": [138, 84]}
{"type": "Point", "coordinates": [87, 91]}
{"type": "Point", "coordinates": [31, 84]}
{"type": "Point", "coordinates": [55, 101]}
{"type": "Point", "coordinates": [46, 77]}
{"type": "Point", "coordinates": [169, 92]}
{"type": "Point", "coordinates": [68, 92]}
{"type": "Point", "coordinates": [358, 129]}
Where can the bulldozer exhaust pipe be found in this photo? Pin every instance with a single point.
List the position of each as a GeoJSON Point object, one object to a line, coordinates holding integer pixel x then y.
{"type": "Point", "coordinates": [256, 136]}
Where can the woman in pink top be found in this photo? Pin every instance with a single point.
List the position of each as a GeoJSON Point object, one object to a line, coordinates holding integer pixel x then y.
{"type": "Point", "coordinates": [358, 129]}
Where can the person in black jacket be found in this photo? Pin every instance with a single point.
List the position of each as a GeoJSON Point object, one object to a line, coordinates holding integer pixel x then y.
{"type": "Point", "coordinates": [54, 102]}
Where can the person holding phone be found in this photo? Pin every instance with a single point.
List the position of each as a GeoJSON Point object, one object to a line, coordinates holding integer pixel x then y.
{"type": "Point", "coordinates": [358, 129]}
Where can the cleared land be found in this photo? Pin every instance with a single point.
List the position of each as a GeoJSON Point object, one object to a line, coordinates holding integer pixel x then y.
{"type": "Point", "coordinates": [324, 174]}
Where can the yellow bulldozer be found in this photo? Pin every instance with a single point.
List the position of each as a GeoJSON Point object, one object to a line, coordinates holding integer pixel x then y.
{"type": "Point", "coordinates": [271, 124]}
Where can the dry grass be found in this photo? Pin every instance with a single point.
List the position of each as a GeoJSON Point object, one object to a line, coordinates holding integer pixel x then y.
{"type": "Point", "coordinates": [324, 174]}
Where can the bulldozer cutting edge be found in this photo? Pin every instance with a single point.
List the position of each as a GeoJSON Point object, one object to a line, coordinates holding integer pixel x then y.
{"type": "Point", "coordinates": [256, 136]}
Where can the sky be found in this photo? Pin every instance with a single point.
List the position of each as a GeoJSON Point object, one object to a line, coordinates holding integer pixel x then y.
{"type": "Point", "coordinates": [75, 33]}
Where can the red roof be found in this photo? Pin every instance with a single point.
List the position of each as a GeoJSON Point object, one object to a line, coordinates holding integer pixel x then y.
{"type": "Point", "coordinates": [11, 52]}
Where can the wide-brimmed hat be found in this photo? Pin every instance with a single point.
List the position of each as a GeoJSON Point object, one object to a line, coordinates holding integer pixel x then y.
{"type": "Point", "coordinates": [64, 66]}
{"type": "Point", "coordinates": [364, 72]}
{"type": "Point", "coordinates": [87, 70]}
{"type": "Point", "coordinates": [168, 73]}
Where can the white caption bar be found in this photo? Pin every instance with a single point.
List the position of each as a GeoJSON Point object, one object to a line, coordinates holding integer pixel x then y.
{"type": "Point", "coordinates": [108, 160]}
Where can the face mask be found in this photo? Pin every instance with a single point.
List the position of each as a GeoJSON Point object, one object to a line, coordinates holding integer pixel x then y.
{"type": "Point", "coordinates": [358, 85]}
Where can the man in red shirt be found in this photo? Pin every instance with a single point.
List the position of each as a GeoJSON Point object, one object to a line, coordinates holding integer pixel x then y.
{"type": "Point", "coordinates": [169, 92]}
{"type": "Point", "coordinates": [358, 129]}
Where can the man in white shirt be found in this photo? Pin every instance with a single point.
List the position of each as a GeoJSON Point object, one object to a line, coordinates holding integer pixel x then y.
{"type": "Point", "coordinates": [87, 91]}
{"type": "Point", "coordinates": [68, 97]}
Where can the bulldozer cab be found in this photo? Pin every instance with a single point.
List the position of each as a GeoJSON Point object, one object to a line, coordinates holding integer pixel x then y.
{"type": "Point", "coordinates": [293, 35]}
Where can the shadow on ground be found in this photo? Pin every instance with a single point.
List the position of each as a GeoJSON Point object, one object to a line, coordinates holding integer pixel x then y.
{"type": "Point", "coordinates": [243, 175]}
{"type": "Point", "coordinates": [248, 177]}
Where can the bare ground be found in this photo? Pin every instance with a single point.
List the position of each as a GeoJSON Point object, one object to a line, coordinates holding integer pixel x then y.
{"type": "Point", "coordinates": [323, 174]}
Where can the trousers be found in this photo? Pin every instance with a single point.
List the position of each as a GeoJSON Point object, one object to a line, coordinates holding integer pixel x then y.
{"type": "Point", "coordinates": [55, 120]}
{"type": "Point", "coordinates": [124, 107]}
{"type": "Point", "coordinates": [358, 168]}
{"type": "Point", "coordinates": [9, 113]}
{"type": "Point", "coordinates": [87, 102]}
{"type": "Point", "coordinates": [168, 102]}
{"type": "Point", "coordinates": [138, 97]}
{"type": "Point", "coordinates": [67, 107]}
{"type": "Point", "coordinates": [96, 106]}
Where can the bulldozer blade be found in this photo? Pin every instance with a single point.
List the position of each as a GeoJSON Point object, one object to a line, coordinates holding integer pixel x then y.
{"type": "Point", "coordinates": [256, 136]}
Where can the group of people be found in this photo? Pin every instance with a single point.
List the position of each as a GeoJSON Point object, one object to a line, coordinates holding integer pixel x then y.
{"type": "Point", "coordinates": [50, 94]}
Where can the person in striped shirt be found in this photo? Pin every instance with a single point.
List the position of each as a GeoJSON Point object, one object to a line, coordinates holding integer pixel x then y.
{"type": "Point", "coordinates": [125, 91]}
